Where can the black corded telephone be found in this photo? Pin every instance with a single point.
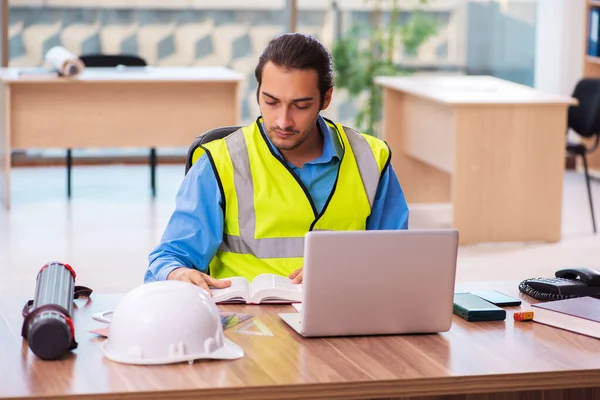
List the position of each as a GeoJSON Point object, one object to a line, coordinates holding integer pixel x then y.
{"type": "Point", "coordinates": [568, 283]}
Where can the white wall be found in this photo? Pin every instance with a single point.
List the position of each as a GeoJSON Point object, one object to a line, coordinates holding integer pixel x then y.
{"type": "Point", "coordinates": [560, 45]}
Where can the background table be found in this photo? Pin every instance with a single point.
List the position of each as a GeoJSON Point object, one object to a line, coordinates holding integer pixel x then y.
{"type": "Point", "coordinates": [108, 107]}
{"type": "Point", "coordinates": [493, 149]}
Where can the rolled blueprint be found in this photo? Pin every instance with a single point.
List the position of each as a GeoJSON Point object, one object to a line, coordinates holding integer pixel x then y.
{"type": "Point", "coordinates": [48, 326]}
{"type": "Point", "coordinates": [64, 62]}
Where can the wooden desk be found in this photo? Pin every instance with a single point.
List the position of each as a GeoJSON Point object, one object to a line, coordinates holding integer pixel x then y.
{"type": "Point", "coordinates": [494, 149]}
{"type": "Point", "coordinates": [484, 360]}
{"type": "Point", "coordinates": [106, 107]}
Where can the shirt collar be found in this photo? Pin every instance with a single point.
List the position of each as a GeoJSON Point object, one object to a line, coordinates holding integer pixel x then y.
{"type": "Point", "coordinates": [331, 143]}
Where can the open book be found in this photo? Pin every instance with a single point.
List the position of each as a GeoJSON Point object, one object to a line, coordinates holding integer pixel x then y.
{"type": "Point", "coordinates": [264, 288]}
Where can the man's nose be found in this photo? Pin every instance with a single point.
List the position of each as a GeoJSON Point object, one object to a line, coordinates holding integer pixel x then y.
{"type": "Point", "coordinates": [284, 119]}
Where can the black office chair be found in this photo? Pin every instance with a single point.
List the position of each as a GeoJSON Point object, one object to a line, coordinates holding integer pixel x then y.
{"type": "Point", "coordinates": [208, 136]}
{"type": "Point", "coordinates": [584, 119]}
{"type": "Point", "coordinates": [111, 61]}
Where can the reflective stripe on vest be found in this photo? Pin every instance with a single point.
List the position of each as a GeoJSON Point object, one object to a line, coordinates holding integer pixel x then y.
{"type": "Point", "coordinates": [286, 247]}
{"type": "Point", "coordinates": [367, 166]}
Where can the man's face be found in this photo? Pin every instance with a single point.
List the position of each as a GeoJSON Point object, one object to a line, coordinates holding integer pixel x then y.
{"type": "Point", "coordinates": [289, 102]}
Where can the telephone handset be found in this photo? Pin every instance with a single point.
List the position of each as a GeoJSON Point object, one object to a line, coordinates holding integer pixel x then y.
{"type": "Point", "coordinates": [586, 275]}
{"type": "Point", "coordinates": [567, 283]}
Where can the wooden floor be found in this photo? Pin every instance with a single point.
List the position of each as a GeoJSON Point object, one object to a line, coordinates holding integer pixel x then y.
{"type": "Point", "coordinates": [111, 224]}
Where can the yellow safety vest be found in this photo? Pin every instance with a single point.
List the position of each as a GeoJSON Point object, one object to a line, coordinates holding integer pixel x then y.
{"type": "Point", "coordinates": [268, 210]}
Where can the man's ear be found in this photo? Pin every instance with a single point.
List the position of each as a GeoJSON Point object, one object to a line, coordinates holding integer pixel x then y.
{"type": "Point", "coordinates": [327, 99]}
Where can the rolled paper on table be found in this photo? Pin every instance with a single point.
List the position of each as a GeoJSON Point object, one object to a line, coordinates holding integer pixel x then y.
{"type": "Point", "coordinates": [64, 62]}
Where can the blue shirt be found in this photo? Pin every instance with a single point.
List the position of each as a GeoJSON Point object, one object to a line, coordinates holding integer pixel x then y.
{"type": "Point", "coordinates": [195, 229]}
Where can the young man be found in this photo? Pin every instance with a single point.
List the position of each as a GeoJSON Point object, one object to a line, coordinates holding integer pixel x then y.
{"type": "Point", "coordinates": [245, 205]}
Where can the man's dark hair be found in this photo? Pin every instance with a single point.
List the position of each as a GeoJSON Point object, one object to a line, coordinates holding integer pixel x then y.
{"type": "Point", "coordinates": [298, 51]}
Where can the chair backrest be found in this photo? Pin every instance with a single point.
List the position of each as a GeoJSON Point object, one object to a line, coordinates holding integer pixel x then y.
{"type": "Point", "coordinates": [112, 60]}
{"type": "Point", "coordinates": [584, 118]}
{"type": "Point", "coordinates": [208, 136]}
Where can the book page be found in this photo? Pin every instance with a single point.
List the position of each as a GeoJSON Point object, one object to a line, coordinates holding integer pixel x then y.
{"type": "Point", "coordinates": [274, 288]}
{"type": "Point", "coordinates": [239, 291]}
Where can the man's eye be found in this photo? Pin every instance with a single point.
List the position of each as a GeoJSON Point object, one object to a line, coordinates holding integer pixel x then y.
{"type": "Point", "coordinates": [271, 103]}
{"type": "Point", "coordinates": [301, 107]}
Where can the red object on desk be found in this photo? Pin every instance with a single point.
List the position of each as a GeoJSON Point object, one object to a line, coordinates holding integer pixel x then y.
{"type": "Point", "coordinates": [523, 316]}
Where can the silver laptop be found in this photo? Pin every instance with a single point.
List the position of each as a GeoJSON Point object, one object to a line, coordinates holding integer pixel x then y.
{"type": "Point", "coordinates": [376, 283]}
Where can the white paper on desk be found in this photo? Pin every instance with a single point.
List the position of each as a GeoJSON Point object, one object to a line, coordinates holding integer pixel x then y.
{"type": "Point", "coordinates": [297, 306]}
{"type": "Point", "coordinates": [63, 61]}
{"type": "Point", "coordinates": [103, 316]}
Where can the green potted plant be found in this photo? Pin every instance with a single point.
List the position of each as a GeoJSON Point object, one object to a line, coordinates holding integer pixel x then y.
{"type": "Point", "coordinates": [357, 61]}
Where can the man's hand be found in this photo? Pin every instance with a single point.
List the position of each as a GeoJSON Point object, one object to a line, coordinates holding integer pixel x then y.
{"type": "Point", "coordinates": [197, 278]}
{"type": "Point", "coordinates": [296, 276]}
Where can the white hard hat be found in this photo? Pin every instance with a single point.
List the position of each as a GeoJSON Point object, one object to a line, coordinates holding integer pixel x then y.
{"type": "Point", "coordinates": [167, 322]}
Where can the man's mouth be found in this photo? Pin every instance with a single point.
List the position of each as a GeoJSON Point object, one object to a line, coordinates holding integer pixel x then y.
{"type": "Point", "coordinates": [284, 134]}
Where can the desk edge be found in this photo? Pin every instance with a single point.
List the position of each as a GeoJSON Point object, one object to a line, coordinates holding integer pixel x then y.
{"type": "Point", "coordinates": [452, 385]}
{"type": "Point", "coordinates": [553, 99]}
